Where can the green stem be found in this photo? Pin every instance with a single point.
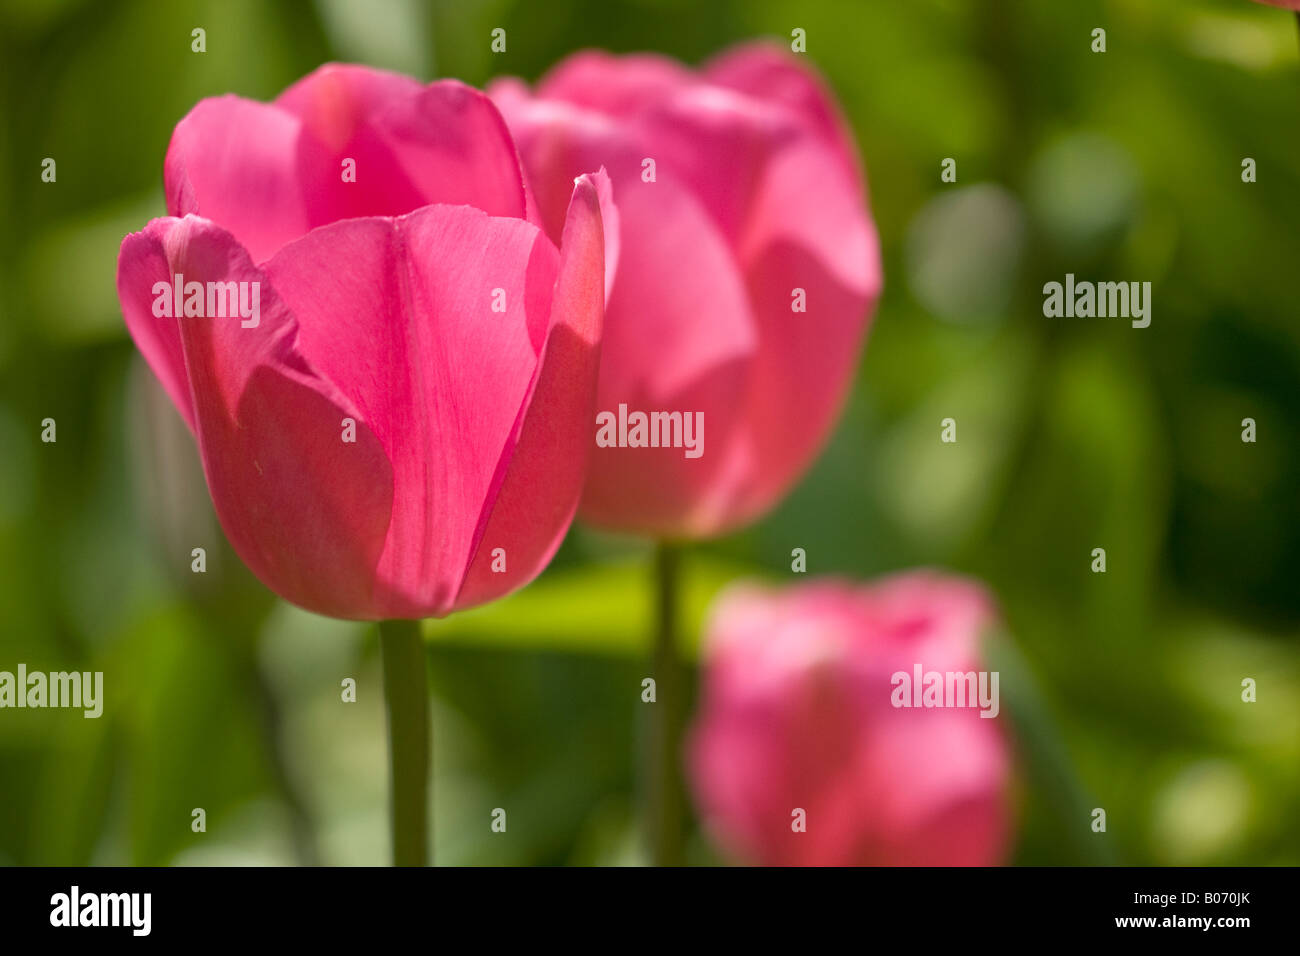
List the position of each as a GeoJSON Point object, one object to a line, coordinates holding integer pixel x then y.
{"type": "Point", "coordinates": [666, 800]}
{"type": "Point", "coordinates": [406, 693]}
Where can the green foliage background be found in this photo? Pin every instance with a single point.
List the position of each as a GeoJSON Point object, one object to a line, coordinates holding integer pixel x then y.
{"type": "Point", "coordinates": [1073, 434]}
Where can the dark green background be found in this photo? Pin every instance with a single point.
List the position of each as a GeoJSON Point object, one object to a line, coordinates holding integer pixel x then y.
{"type": "Point", "coordinates": [1072, 434]}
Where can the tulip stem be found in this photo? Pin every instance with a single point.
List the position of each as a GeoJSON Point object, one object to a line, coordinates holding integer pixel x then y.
{"type": "Point", "coordinates": [406, 694]}
{"type": "Point", "coordinates": [666, 801]}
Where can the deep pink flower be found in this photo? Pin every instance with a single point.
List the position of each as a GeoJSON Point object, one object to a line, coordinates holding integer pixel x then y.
{"type": "Point", "coordinates": [756, 193]}
{"type": "Point", "coordinates": [1284, 4]}
{"type": "Point", "coordinates": [416, 310]}
{"type": "Point", "coordinates": [798, 713]}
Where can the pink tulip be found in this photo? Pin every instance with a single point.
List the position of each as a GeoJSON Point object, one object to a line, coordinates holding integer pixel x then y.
{"type": "Point", "coordinates": [799, 713]}
{"type": "Point", "coordinates": [397, 424]}
{"type": "Point", "coordinates": [754, 207]}
{"type": "Point", "coordinates": [1284, 4]}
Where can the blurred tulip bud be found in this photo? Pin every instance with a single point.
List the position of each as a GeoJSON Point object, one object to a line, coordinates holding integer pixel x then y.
{"type": "Point", "coordinates": [825, 738]}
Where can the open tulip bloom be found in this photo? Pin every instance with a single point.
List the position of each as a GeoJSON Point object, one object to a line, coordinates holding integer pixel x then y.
{"type": "Point", "coordinates": [747, 269]}
{"type": "Point", "coordinates": [393, 336]}
{"type": "Point", "coordinates": [389, 366]}
{"type": "Point", "coordinates": [748, 265]}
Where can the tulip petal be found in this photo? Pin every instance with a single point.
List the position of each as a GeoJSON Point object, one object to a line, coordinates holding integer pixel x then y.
{"type": "Point", "coordinates": [336, 100]}
{"type": "Point", "coordinates": [952, 811]}
{"type": "Point", "coordinates": [765, 173]}
{"type": "Point", "coordinates": [664, 292]}
{"type": "Point", "coordinates": [306, 511]}
{"type": "Point", "coordinates": [539, 495]}
{"type": "Point", "coordinates": [616, 85]}
{"type": "Point", "coordinates": [245, 181]}
{"type": "Point", "coordinates": [717, 142]}
{"type": "Point", "coordinates": [800, 375]}
{"type": "Point", "coordinates": [344, 142]}
{"type": "Point", "coordinates": [141, 263]}
{"type": "Point", "coordinates": [399, 314]}
{"type": "Point", "coordinates": [412, 145]}
{"type": "Point", "coordinates": [804, 198]}
{"type": "Point", "coordinates": [691, 313]}
{"type": "Point", "coordinates": [455, 148]}
{"type": "Point", "coordinates": [775, 76]}
{"type": "Point", "coordinates": [806, 229]}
